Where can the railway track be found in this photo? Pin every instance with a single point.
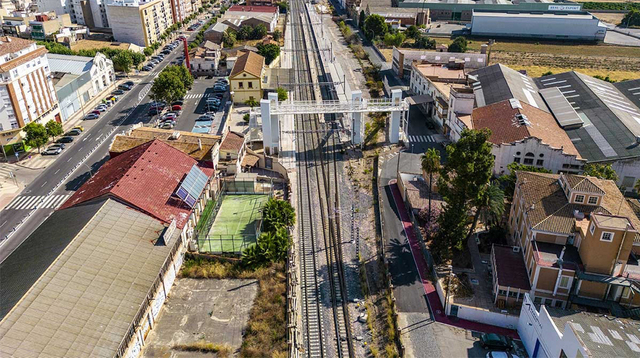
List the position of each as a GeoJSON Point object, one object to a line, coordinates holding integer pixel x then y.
{"type": "Point", "coordinates": [325, 332]}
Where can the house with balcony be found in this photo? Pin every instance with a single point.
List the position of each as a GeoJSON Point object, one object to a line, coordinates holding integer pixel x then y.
{"type": "Point", "coordinates": [578, 240]}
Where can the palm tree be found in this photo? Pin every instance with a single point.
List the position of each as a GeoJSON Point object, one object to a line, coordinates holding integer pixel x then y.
{"type": "Point", "coordinates": [431, 165]}
{"type": "Point", "coordinates": [490, 206]}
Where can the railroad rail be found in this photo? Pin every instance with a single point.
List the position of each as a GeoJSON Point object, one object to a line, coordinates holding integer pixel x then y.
{"type": "Point", "coordinates": [320, 249]}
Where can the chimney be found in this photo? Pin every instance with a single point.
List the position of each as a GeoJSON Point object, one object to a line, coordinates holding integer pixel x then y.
{"type": "Point", "coordinates": [199, 144]}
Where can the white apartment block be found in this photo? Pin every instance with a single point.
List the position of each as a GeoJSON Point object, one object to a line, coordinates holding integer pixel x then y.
{"type": "Point", "coordinates": [91, 13]}
{"type": "Point", "coordinates": [139, 22]}
{"type": "Point", "coordinates": [26, 90]}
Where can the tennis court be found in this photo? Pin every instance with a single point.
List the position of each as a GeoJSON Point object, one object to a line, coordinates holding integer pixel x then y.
{"type": "Point", "coordinates": [234, 228]}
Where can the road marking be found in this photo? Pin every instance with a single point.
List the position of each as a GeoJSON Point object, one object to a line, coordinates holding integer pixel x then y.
{"type": "Point", "coordinates": [26, 202]}
{"type": "Point", "coordinates": [68, 160]}
{"type": "Point", "coordinates": [56, 172]}
{"type": "Point", "coordinates": [3, 223]}
{"type": "Point", "coordinates": [43, 184]}
{"type": "Point", "coordinates": [98, 138]}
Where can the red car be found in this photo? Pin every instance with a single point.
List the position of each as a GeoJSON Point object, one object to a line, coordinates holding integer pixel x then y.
{"type": "Point", "coordinates": [176, 107]}
{"type": "Point", "coordinates": [95, 111]}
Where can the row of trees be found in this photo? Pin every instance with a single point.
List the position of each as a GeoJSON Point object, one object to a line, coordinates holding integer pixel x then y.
{"type": "Point", "coordinates": [123, 60]}
{"type": "Point", "coordinates": [171, 84]}
{"type": "Point", "coordinates": [37, 135]}
{"type": "Point", "coordinates": [272, 245]}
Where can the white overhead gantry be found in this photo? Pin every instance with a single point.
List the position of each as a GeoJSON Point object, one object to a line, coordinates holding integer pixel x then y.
{"type": "Point", "coordinates": [271, 109]}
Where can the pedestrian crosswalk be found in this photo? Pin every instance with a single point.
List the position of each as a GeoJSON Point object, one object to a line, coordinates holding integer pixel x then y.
{"type": "Point", "coordinates": [196, 95]}
{"type": "Point", "coordinates": [421, 138]}
{"type": "Point", "coordinates": [30, 202]}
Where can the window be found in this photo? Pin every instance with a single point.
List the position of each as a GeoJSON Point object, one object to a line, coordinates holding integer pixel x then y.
{"type": "Point", "coordinates": [565, 281]}
{"type": "Point", "coordinates": [528, 161]}
{"type": "Point", "coordinates": [541, 155]}
{"type": "Point", "coordinates": [593, 200]}
{"type": "Point", "coordinates": [625, 292]}
{"type": "Point", "coordinates": [537, 300]}
{"type": "Point", "coordinates": [502, 292]}
{"type": "Point", "coordinates": [557, 304]}
{"type": "Point", "coordinates": [606, 236]}
{"type": "Point", "coordinates": [516, 160]}
{"type": "Point", "coordinates": [592, 228]}
{"type": "Point", "coordinates": [250, 84]}
{"type": "Point", "coordinates": [240, 85]}
{"type": "Point", "coordinates": [579, 198]}
{"type": "Point", "coordinates": [529, 155]}
{"type": "Point", "coordinates": [539, 162]}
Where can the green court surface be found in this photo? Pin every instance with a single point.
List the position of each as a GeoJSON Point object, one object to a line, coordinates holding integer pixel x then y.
{"type": "Point", "coordinates": [234, 226]}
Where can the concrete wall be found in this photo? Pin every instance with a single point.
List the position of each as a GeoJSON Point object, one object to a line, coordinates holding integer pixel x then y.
{"type": "Point", "coordinates": [552, 159]}
{"type": "Point", "coordinates": [487, 317]}
{"type": "Point", "coordinates": [557, 27]}
{"type": "Point", "coordinates": [126, 23]}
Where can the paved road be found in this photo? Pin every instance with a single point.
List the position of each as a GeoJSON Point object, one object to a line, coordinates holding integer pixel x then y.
{"type": "Point", "coordinates": [195, 105]}
{"type": "Point", "coordinates": [51, 184]}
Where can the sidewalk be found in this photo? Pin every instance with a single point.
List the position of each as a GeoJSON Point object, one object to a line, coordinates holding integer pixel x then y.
{"type": "Point", "coordinates": [437, 311]}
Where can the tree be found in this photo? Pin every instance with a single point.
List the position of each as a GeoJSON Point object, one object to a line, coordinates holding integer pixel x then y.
{"type": "Point", "coordinates": [430, 162]}
{"type": "Point", "coordinates": [123, 61]}
{"type": "Point", "coordinates": [251, 103]}
{"type": "Point", "coordinates": [459, 44]}
{"type": "Point", "coordinates": [283, 7]}
{"type": "Point", "coordinates": [271, 246]}
{"type": "Point", "coordinates": [394, 39]}
{"type": "Point", "coordinates": [245, 32]}
{"type": "Point", "coordinates": [362, 19]}
{"type": "Point", "coordinates": [148, 51]}
{"type": "Point", "coordinates": [246, 117]}
{"type": "Point", "coordinates": [462, 181]}
{"type": "Point", "coordinates": [276, 35]}
{"type": "Point", "coordinates": [183, 73]}
{"type": "Point", "coordinates": [412, 32]}
{"type": "Point", "coordinates": [269, 52]}
{"type": "Point", "coordinates": [632, 18]}
{"type": "Point", "coordinates": [425, 42]}
{"type": "Point", "coordinates": [167, 87]}
{"type": "Point", "coordinates": [602, 171]}
{"type": "Point", "coordinates": [282, 94]}
{"type": "Point", "coordinates": [509, 181]}
{"type": "Point", "coordinates": [489, 206]}
{"type": "Point", "coordinates": [277, 213]}
{"type": "Point", "coordinates": [53, 128]}
{"type": "Point", "coordinates": [259, 32]}
{"type": "Point", "coordinates": [374, 26]}
{"type": "Point", "coordinates": [36, 135]}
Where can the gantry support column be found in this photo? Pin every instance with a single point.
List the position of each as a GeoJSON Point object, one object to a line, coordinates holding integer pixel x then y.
{"type": "Point", "coordinates": [357, 127]}
{"type": "Point", "coordinates": [270, 124]}
{"type": "Point", "coordinates": [394, 122]}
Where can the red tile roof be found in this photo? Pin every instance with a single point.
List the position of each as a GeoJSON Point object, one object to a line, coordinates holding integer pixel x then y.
{"type": "Point", "coordinates": [501, 119]}
{"type": "Point", "coordinates": [510, 268]}
{"type": "Point", "coordinates": [268, 9]}
{"type": "Point", "coordinates": [145, 177]}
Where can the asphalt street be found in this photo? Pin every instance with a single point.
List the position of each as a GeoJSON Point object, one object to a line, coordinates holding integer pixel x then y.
{"type": "Point", "coordinates": [81, 158]}
{"type": "Point", "coordinates": [195, 105]}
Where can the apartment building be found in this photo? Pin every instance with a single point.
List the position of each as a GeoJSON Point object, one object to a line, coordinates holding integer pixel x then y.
{"type": "Point", "coordinates": [91, 13]}
{"type": "Point", "coordinates": [139, 22]}
{"type": "Point", "coordinates": [26, 91]}
{"type": "Point", "coordinates": [578, 241]}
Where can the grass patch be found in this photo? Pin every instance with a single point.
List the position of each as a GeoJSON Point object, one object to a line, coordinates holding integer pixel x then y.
{"type": "Point", "coordinates": [200, 267]}
{"type": "Point", "coordinates": [204, 347]}
{"type": "Point", "coordinates": [615, 75]}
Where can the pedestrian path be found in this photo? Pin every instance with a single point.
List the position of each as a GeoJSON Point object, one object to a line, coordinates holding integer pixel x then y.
{"type": "Point", "coordinates": [196, 95]}
{"type": "Point", "coordinates": [30, 202]}
{"type": "Point", "coordinates": [8, 184]}
{"type": "Point", "coordinates": [437, 311]}
{"type": "Point", "coordinates": [37, 161]}
{"type": "Point", "coordinates": [421, 139]}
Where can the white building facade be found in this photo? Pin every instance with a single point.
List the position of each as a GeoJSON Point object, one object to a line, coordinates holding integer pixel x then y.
{"type": "Point", "coordinates": [91, 13]}
{"type": "Point", "coordinates": [139, 22]}
{"type": "Point", "coordinates": [26, 90]}
{"type": "Point", "coordinates": [532, 151]}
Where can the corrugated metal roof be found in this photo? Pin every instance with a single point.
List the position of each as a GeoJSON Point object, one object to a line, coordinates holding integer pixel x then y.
{"type": "Point", "coordinates": [83, 304]}
{"type": "Point", "coordinates": [76, 65]}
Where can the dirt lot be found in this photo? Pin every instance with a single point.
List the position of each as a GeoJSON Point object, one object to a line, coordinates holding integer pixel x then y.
{"type": "Point", "coordinates": [612, 18]}
{"type": "Point", "coordinates": [214, 311]}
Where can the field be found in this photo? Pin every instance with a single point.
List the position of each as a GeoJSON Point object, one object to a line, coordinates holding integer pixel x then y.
{"type": "Point", "coordinates": [617, 62]}
{"type": "Point", "coordinates": [234, 226]}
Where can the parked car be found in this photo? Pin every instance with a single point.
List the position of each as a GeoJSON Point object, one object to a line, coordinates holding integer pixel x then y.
{"type": "Point", "coordinates": [73, 132]}
{"type": "Point", "coordinates": [117, 92]}
{"type": "Point", "coordinates": [154, 111]}
{"type": "Point", "coordinates": [222, 81]}
{"type": "Point", "coordinates": [176, 107]}
{"type": "Point", "coordinates": [95, 111]}
{"type": "Point", "coordinates": [177, 103]}
{"type": "Point", "coordinates": [91, 116]}
{"type": "Point", "coordinates": [204, 117]}
{"type": "Point", "coordinates": [129, 83]}
{"type": "Point", "coordinates": [80, 128]}
{"type": "Point", "coordinates": [124, 88]}
{"type": "Point", "coordinates": [59, 145]}
{"type": "Point", "coordinates": [52, 151]}
{"type": "Point", "coordinates": [498, 354]}
{"type": "Point", "coordinates": [101, 109]}
{"type": "Point", "coordinates": [218, 88]}
{"type": "Point", "coordinates": [169, 116]}
{"type": "Point", "coordinates": [496, 341]}
{"type": "Point", "coordinates": [173, 123]}
{"type": "Point", "coordinates": [65, 140]}
{"type": "Point", "coordinates": [147, 68]}
{"type": "Point", "coordinates": [166, 126]}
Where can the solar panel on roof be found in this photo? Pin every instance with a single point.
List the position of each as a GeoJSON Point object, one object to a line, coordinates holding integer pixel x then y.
{"type": "Point", "coordinates": [191, 187]}
{"type": "Point", "coordinates": [560, 107]}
